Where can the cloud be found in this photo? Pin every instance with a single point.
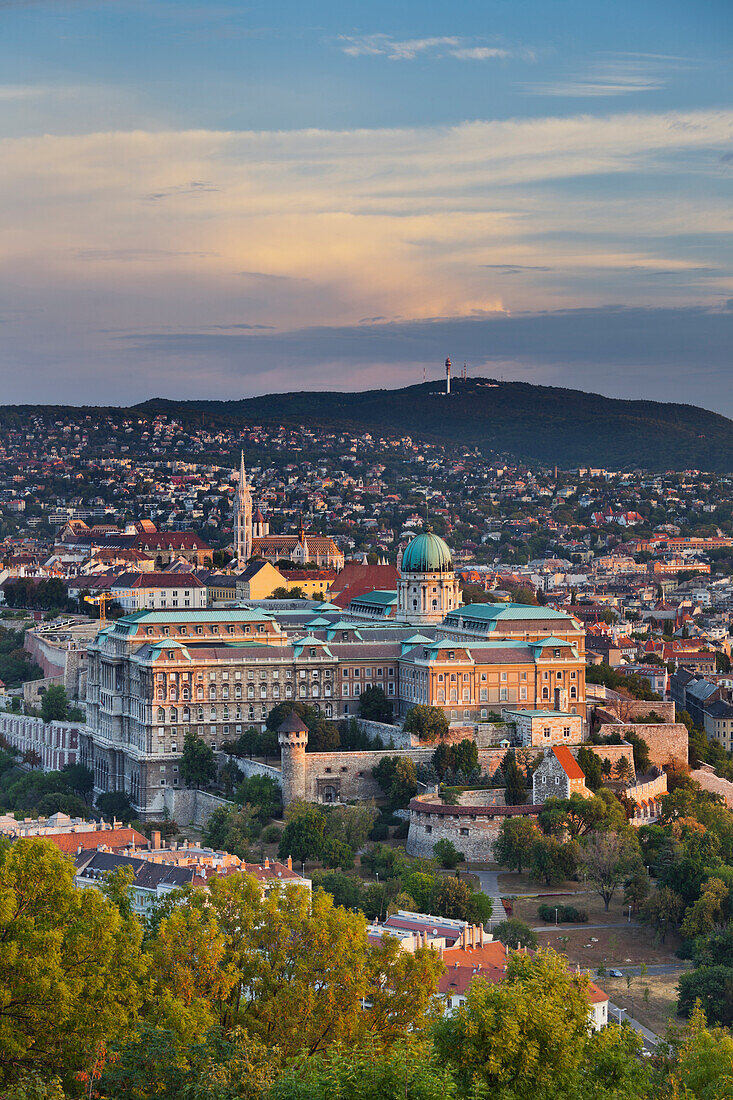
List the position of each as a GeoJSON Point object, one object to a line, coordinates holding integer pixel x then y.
{"type": "Point", "coordinates": [312, 234]}
{"type": "Point", "coordinates": [193, 187]}
{"type": "Point", "coordinates": [133, 255]}
{"type": "Point", "coordinates": [382, 45]}
{"type": "Point", "coordinates": [614, 75]}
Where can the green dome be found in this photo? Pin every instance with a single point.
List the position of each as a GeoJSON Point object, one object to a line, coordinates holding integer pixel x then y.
{"type": "Point", "coordinates": [427, 554]}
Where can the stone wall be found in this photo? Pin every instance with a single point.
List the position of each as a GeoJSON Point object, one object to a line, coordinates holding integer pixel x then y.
{"type": "Point", "coordinates": [667, 741]}
{"type": "Point", "coordinates": [400, 737]}
{"type": "Point", "coordinates": [472, 830]}
{"type": "Point", "coordinates": [191, 807]}
{"type": "Point", "coordinates": [626, 710]}
{"type": "Point", "coordinates": [56, 743]}
{"type": "Point", "coordinates": [492, 797]}
{"type": "Point", "coordinates": [347, 776]}
{"type": "Point", "coordinates": [254, 767]}
{"type": "Point", "coordinates": [34, 690]}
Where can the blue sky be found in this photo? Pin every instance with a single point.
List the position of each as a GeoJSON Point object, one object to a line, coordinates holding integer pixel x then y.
{"type": "Point", "coordinates": [220, 199]}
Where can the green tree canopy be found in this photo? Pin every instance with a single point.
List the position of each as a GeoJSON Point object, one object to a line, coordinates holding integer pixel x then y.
{"type": "Point", "coordinates": [198, 764]}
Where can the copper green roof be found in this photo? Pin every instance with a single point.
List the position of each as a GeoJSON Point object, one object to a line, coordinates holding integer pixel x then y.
{"type": "Point", "coordinates": [427, 553]}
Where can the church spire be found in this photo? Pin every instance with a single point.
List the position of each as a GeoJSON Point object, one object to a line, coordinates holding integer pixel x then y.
{"type": "Point", "coordinates": [242, 517]}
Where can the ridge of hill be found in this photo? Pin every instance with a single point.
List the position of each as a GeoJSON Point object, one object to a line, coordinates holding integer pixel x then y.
{"type": "Point", "coordinates": [529, 423]}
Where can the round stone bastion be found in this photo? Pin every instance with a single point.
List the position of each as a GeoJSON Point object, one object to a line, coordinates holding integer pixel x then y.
{"type": "Point", "coordinates": [472, 828]}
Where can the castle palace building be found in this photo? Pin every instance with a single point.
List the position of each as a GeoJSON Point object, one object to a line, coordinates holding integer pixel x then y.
{"type": "Point", "coordinates": [428, 588]}
{"type": "Point", "coordinates": [156, 675]}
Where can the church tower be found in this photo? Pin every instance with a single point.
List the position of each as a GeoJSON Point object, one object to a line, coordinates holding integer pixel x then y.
{"type": "Point", "coordinates": [242, 518]}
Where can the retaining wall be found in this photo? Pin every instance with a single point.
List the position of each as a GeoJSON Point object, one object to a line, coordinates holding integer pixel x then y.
{"type": "Point", "coordinates": [667, 741]}
{"type": "Point", "coordinates": [191, 807]}
{"type": "Point", "coordinates": [254, 767]}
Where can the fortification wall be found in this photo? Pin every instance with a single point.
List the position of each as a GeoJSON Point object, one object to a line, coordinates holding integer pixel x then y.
{"type": "Point", "coordinates": [388, 732]}
{"type": "Point", "coordinates": [652, 788]}
{"type": "Point", "coordinates": [347, 776]}
{"type": "Point", "coordinates": [472, 830]}
{"type": "Point", "coordinates": [667, 741]}
{"type": "Point", "coordinates": [627, 710]}
{"type": "Point", "coordinates": [191, 807]}
{"type": "Point", "coordinates": [493, 797]}
{"type": "Point", "coordinates": [254, 767]}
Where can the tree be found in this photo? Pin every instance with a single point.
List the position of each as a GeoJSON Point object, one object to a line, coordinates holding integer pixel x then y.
{"type": "Point", "coordinates": [514, 933]}
{"type": "Point", "coordinates": [262, 793]}
{"type": "Point", "coordinates": [116, 804]}
{"type": "Point", "coordinates": [55, 704]}
{"type": "Point", "coordinates": [351, 824]}
{"type": "Point", "coordinates": [590, 764]}
{"type": "Point", "coordinates": [623, 769]}
{"type": "Point", "coordinates": [374, 705]}
{"type": "Point", "coordinates": [428, 723]}
{"type": "Point", "coordinates": [454, 898]}
{"type": "Point", "coordinates": [607, 859]}
{"type": "Point", "coordinates": [397, 777]}
{"type": "Point", "coordinates": [303, 969]}
{"type": "Point", "coordinates": [712, 986]}
{"type": "Point", "coordinates": [642, 759]}
{"type": "Point", "coordinates": [513, 846]}
{"type": "Point", "coordinates": [552, 860]}
{"type": "Point", "coordinates": [302, 836]}
{"type": "Point", "coordinates": [447, 854]}
{"type": "Point", "coordinates": [406, 1070]}
{"type": "Point", "coordinates": [80, 779]}
{"type": "Point", "coordinates": [636, 890]}
{"type": "Point", "coordinates": [72, 973]}
{"type": "Point", "coordinates": [198, 763]}
{"type": "Point", "coordinates": [515, 792]}
{"type": "Point", "coordinates": [709, 913]}
{"type": "Point", "coordinates": [663, 911]}
{"type": "Point", "coordinates": [522, 1038]}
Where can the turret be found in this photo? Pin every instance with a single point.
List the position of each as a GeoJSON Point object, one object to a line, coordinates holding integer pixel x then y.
{"type": "Point", "coordinates": [292, 735]}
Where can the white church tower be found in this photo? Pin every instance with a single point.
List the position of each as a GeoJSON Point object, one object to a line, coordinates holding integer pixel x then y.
{"type": "Point", "coordinates": [242, 518]}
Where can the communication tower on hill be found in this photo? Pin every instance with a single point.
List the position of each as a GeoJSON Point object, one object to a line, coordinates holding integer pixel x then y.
{"type": "Point", "coordinates": [447, 377]}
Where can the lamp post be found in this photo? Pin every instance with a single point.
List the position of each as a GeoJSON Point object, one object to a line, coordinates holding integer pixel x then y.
{"type": "Point", "coordinates": [556, 909]}
{"type": "Point", "coordinates": [629, 915]}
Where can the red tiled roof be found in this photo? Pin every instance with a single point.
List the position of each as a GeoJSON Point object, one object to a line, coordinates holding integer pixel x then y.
{"type": "Point", "coordinates": [568, 763]}
{"type": "Point", "coordinates": [110, 838]}
{"type": "Point", "coordinates": [356, 579]}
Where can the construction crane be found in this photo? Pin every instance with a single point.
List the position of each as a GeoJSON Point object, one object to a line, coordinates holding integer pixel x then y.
{"type": "Point", "coordinates": [101, 602]}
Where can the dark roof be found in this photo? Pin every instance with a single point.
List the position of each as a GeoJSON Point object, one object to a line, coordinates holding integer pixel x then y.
{"type": "Point", "coordinates": [293, 724]}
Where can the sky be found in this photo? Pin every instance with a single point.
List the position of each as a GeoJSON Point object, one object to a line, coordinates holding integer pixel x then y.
{"type": "Point", "coordinates": [216, 199]}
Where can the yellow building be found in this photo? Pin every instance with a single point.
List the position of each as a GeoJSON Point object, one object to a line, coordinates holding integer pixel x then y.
{"type": "Point", "coordinates": [313, 583]}
{"type": "Point", "coordinates": [258, 581]}
{"type": "Point", "coordinates": [471, 681]}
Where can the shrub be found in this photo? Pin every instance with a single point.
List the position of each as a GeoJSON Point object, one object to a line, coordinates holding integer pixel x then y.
{"type": "Point", "coordinates": [271, 835]}
{"type": "Point", "coordinates": [379, 831]}
{"type": "Point", "coordinates": [566, 914]}
{"type": "Point", "coordinates": [402, 830]}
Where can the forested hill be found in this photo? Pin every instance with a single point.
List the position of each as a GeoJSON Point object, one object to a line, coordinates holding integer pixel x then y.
{"type": "Point", "coordinates": [515, 419]}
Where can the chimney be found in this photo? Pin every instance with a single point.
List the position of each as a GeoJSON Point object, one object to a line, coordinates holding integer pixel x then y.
{"type": "Point", "coordinates": [290, 863]}
{"type": "Point", "coordinates": [267, 861]}
{"type": "Point", "coordinates": [483, 936]}
{"type": "Point", "coordinates": [156, 838]}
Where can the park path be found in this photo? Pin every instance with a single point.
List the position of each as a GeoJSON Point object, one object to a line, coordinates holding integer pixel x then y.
{"type": "Point", "coordinates": [490, 886]}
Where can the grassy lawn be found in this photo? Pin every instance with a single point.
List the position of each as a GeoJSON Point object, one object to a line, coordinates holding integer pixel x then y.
{"type": "Point", "coordinates": [611, 947]}
{"type": "Point", "coordinates": [658, 1011]}
{"type": "Point", "coordinates": [511, 883]}
{"type": "Point", "coordinates": [526, 908]}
